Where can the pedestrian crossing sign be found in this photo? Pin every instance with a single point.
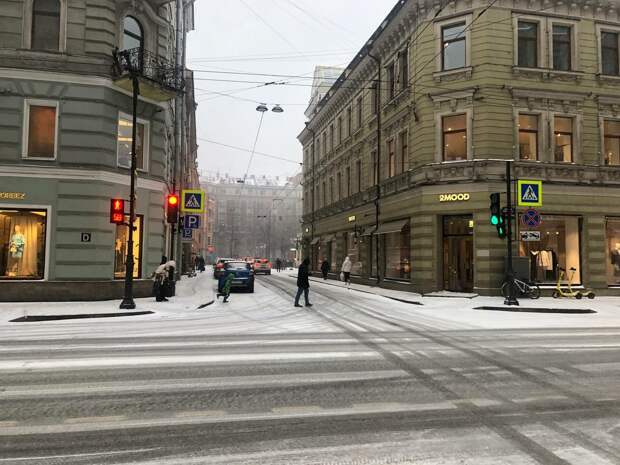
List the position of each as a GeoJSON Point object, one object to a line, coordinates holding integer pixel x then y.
{"type": "Point", "coordinates": [193, 201]}
{"type": "Point", "coordinates": [530, 193]}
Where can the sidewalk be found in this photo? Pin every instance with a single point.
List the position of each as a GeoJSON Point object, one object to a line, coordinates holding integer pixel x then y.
{"type": "Point", "coordinates": [401, 296]}
{"type": "Point", "coordinates": [190, 294]}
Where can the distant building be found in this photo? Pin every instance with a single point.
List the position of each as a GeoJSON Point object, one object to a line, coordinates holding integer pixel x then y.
{"type": "Point", "coordinates": [324, 78]}
{"type": "Point", "coordinates": [258, 218]}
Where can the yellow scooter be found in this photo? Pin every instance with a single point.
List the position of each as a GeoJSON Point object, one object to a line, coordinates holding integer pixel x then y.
{"type": "Point", "coordinates": [568, 290]}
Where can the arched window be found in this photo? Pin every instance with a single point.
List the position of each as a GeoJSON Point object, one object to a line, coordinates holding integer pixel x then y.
{"type": "Point", "coordinates": [133, 36]}
{"type": "Point", "coordinates": [45, 25]}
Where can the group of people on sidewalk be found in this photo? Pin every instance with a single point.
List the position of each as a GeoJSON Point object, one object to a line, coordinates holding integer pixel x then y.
{"type": "Point", "coordinates": [303, 275]}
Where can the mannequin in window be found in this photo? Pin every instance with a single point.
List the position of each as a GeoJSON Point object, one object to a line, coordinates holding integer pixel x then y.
{"type": "Point", "coordinates": [17, 244]}
{"type": "Point", "coordinates": [615, 259]}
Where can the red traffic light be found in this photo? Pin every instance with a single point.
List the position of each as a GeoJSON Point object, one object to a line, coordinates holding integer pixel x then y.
{"type": "Point", "coordinates": [172, 213]}
{"type": "Point", "coordinates": [117, 211]}
{"type": "Point", "coordinates": [173, 199]}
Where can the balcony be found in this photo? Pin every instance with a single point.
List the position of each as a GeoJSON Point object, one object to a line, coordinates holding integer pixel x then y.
{"type": "Point", "coordinates": [160, 79]}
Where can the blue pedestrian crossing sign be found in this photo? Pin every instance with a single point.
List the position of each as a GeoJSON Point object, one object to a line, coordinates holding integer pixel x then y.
{"type": "Point", "coordinates": [191, 221]}
{"type": "Point", "coordinates": [193, 201]}
{"type": "Point", "coordinates": [529, 193]}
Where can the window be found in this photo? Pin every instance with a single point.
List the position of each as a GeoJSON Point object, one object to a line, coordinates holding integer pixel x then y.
{"type": "Point", "coordinates": [40, 129]}
{"type": "Point", "coordinates": [528, 137]}
{"type": "Point", "coordinates": [404, 151]}
{"type": "Point", "coordinates": [453, 46]}
{"type": "Point", "coordinates": [331, 190]}
{"type": "Point", "coordinates": [403, 70]}
{"type": "Point", "coordinates": [325, 143]}
{"type": "Point", "coordinates": [612, 238]}
{"type": "Point", "coordinates": [454, 137]}
{"type": "Point", "coordinates": [360, 101]}
{"type": "Point", "coordinates": [563, 139]}
{"type": "Point", "coordinates": [391, 79]}
{"type": "Point", "coordinates": [562, 47]}
{"type": "Point", "coordinates": [22, 243]}
{"type": "Point", "coordinates": [331, 137]}
{"type": "Point", "coordinates": [45, 25]}
{"type": "Point", "coordinates": [391, 158]}
{"type": "Point", "coordinates": [528, 44]}
{"type": "Point", "coordinates": [339, 130]}
{"type": "Point", "coordinates": [338, 186]}
{"type": "Point", "coordinates": [353, 253]}
{"type": "Point", "coordinates": [397, 247]}
{"type": "Point", "coordinates": [373, 174]}
{"type": "Point", "coordinates": [558, 246]}
{"type": "Point", "coordinates": [348, 180]}
{"type": "Point", "coordinates": [358, 170]}
{"type": "Point", "coordinates": [374, 98]}
{"type": "Point", "coordinates": [125, 126]}
{"type": "Point", "coordinates": [349, 121]}
{"type": "Point", "coordinates": [133, 37]}
{"type": "Point", "coordinates": [611, 134]}
{"type": "Point", "coordinates": [609, 53]}
{"type": "Point", "coordinates": [120, 249]}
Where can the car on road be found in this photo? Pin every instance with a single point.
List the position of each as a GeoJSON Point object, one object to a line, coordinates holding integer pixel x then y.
{"type": "Point", "coordinates": [218, 268]}
{"type": "Point", "coordinates": [262, 266]}
{"type": "Point", "coordinates": [243, 276]}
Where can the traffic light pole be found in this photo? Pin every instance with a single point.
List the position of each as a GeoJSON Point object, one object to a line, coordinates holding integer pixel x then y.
{"type": "Point", "coordinates": [511, 298]}
{"type": "Point", "coordinates": [128, 303]}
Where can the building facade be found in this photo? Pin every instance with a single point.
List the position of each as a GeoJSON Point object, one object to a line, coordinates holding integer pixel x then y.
{"type": "Point", "coordinates": [401, 155]}
{"type": "Point", "coordinates": [65, 145]}
{"type": "Point", "coordinates": [259, 218]}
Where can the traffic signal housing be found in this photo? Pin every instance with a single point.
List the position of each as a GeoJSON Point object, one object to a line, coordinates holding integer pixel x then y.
{"type": "Point", "coordinates": [117, 211]}
{"type": "Point", "coordinates": [172, 208]}
{"type": "Point", "coordinates": [497, 218]}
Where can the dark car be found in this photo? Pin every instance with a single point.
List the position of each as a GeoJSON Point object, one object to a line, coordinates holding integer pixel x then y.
{"type": "Point", "coordinates": [243, 275]}
{"type": "Point", "coordinates": [218, 268]}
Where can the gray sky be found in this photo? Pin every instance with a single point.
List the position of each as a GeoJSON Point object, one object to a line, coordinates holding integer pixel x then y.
{"type": "Point", "coordinates": [286, 37]}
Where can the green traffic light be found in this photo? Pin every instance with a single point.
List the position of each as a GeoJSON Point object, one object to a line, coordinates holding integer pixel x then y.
{"type": "Point", "coordinates": [494, 220]}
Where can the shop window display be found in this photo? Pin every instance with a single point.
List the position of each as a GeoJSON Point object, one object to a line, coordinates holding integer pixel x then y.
{"type": "Point", "coordinates": [558, 246]}
{"type": "Point", "coordinates": [22, 244]}
{"type": "Point", "coordinates": [120, 249]}
{"type": "Point", "coordinates": [397, 254]}
{"type": "Point", "coordinates": [332, 255]}
{"type": "Point", "coordinates": [612, 236]}
{"type": "Point", "coordinates": [353, 251]}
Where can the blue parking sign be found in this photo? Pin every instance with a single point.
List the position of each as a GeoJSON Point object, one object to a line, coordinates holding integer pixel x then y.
{"type": "Point", "coordinates": [191, 221]}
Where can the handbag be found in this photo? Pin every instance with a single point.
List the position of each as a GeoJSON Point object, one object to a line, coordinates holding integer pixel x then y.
{"type": "Point", "coordinates": [342, 276]}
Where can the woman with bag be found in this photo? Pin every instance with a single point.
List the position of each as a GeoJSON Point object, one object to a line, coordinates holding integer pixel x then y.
{"type": "Point", "coordinates": [346, 270]}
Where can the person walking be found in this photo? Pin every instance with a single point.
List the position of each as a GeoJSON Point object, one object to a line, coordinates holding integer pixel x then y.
{"type": "Point", "coordinates": [160, 277]}
{"type": "Point", "coordinates": [325, 269]}
{"type": "Point", "coordinates": [346, 270]}
{"type": "Point", "coordinates": [278, 265]}
{"type": "Point", "coordinates": [225, 285]}
{"type": "Point", "coordinates": [303, 283]}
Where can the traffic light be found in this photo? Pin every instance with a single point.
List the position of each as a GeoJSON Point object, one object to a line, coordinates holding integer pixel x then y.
{"type": "Point", "coordinates": [497, 218]}
{"type": "Point", "coordinates": [117, 211]}
{"type": "Point", "coordinates": [172, 212]}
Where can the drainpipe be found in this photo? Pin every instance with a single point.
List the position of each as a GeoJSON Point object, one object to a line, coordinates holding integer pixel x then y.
{"type": "Point", "coordinates": [313, 180]}
{"type": "Point", "coordinates": [178, 130]}
{"type": "Point", "coordinates": [377, 60]}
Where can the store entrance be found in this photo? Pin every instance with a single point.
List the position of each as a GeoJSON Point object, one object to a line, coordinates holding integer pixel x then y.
{"type": "Point", "coordinates": [458, 253]}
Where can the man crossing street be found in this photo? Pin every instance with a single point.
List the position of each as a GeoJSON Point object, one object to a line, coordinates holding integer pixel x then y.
{"type": "Point", "coordinates": [303, 283]}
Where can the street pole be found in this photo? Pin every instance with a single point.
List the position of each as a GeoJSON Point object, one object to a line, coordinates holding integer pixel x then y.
{"type": "Point", "coordinates": [177, 246]}
{"type": "Point", "coordinates": [378, 173]}
{"type": "Point", "coordinates": [128, 303]}
{"type": "Point", "coordinates": [511, 299]}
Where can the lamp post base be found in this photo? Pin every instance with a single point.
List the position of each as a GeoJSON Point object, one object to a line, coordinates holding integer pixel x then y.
{"type": "Point", "coordinates": [127, 304]}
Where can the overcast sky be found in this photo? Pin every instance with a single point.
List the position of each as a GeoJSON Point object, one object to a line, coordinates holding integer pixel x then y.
{"type": "Point", "coordinates": [273, 37]}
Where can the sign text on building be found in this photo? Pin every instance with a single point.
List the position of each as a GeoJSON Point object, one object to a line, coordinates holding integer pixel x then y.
{"type": "Point", "coordinates": [460, 197]}
{"type": "Point", "coordinates": [12, 196]}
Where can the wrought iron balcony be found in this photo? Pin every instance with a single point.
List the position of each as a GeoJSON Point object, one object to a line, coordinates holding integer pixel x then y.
{"type": "Point", "coordinates": [160, 79]}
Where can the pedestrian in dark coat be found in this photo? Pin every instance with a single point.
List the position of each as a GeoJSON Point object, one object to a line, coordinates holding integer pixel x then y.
{"type": "Point", "coordinates": [325, 268]}
{"type": "Point", "coordinates": [278, 265]}
{"type": "Point", "coordinates": [225, 285]}
{"type": "Point", "coordinates": [160, 278]}
{"type": "Point", "coordinates": [303, 283]}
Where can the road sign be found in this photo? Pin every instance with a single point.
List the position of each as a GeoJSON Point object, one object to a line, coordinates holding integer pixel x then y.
{"type": "Point", "coordinates": [191, 221]}
{"type": "Point", "coordinates": [531, 218]}
{"type": "Point", "coordinates": [530, 236]}
{"type": "Point", "coordinates": [530, 193]}
{"type": "Point", "coordinates": [186, 234]}
{"type": "Point", "coordinates": [193, 201]}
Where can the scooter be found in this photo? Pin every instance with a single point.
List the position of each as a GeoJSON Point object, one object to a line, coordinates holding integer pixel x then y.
{"type": "Point", "coordinates": [568, 290]}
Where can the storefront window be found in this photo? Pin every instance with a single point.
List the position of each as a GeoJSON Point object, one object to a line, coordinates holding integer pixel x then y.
{"type": "Point", "coordinates": [397, 254]}
{"type": "Point", "coordinates": [558, 247]}
{"type": "Point", "coordinates": [353, 251]}
{"type": "Point", "coordinates": [332, 260]}
{"type": "Point", "coordinates": [613, 251]}
{"type": "Point", "coordinates": [612, 142]}
{"type": "Point", "coordinates": [120, 249]}
{"type": "Point", "coordinates": [22, 244]}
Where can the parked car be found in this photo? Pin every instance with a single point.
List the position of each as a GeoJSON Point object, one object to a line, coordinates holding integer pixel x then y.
{"type": "Point", "coordinates": [218, 268]}
{"type": "Point", "coordinates": [243, 275]}
{"type": "Point", "coordinates": [262, 265]}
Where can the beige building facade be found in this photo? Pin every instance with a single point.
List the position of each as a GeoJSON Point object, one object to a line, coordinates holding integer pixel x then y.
{"type": "Point", "coordinates": [398, 167]}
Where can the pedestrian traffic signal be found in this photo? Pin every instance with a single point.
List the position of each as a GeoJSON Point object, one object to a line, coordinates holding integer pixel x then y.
{"type": "Point", "coordinates": [172, 212]}
{"type": "Point", "coordinates": [117, 211]}
{"type": "Point", "coordinates": [497, 218]}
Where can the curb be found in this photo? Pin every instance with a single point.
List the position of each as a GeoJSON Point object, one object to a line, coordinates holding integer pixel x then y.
{"type": "Point", "coordinates": [574, 311]}
{"type": "Point", "coordinates": [77, 316]}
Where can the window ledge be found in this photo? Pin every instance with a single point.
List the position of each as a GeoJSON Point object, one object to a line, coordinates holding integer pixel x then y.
{"type": "Point", "coordinates": [453, 74]}
{"type": "Point", "coordinates": [566, 75]}
{"type": "Point", "coordinates": [608, 78]}
{"type": "Point", "coordinates": [25, 157]}
{"type": "Point", "coordinates": [546, 73]}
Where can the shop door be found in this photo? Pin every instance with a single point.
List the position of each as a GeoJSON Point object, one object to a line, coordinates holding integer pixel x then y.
{"type": "Point", "coordinates": [458, 253]}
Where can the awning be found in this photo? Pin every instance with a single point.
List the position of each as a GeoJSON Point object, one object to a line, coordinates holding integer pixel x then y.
{"type": "Point", "coordinates": [329, 238]}
{"type": "Point", "coordinates": [315, 241]}
{"type": "Point", "coordinates": [392, 227]}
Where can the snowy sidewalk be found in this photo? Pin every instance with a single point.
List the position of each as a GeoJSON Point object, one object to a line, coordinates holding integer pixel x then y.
{"type": "Point", "coordinates": [190, 294]}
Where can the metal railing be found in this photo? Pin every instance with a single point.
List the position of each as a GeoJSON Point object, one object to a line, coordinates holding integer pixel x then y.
{"type": "Point", "coordinates": [148, 65]}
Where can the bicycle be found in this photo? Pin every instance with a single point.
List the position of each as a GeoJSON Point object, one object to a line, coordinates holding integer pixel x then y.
{"type": "Point", "coordinates": [524, 289]}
